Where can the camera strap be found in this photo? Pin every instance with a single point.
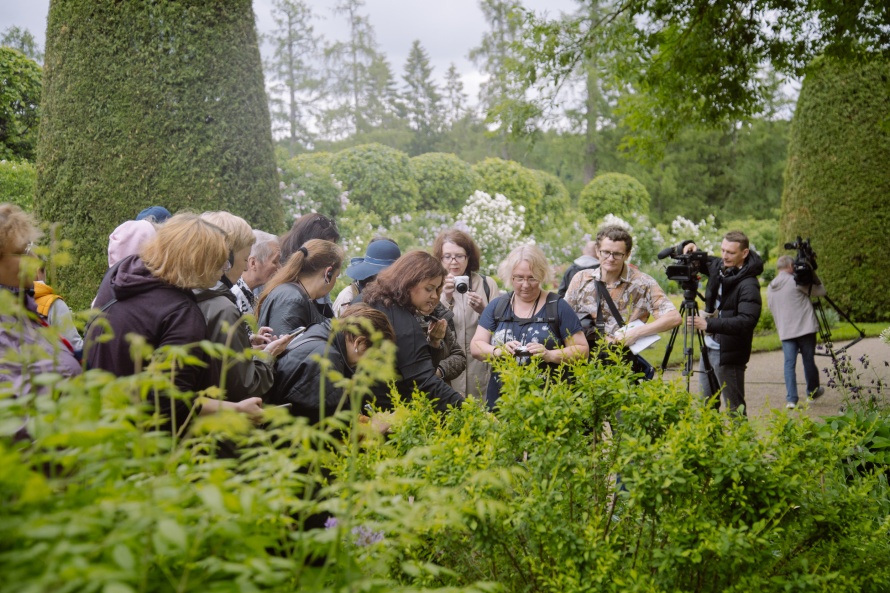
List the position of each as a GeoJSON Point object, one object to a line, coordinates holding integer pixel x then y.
{"type": "Point", "coordinates": [602, 293]}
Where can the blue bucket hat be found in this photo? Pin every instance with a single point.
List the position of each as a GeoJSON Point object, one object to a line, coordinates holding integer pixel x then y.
{"type": "Point", "coordinates": [157, 214]}
{"type": "Point", "coordinates": [380, 255]}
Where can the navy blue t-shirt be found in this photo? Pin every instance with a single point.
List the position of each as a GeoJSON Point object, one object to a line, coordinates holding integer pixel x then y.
{"type": "Point", "coordinates": [536, 329]}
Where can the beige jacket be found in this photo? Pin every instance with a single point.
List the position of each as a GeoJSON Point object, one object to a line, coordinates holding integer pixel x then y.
{"type": "Point", "coordinates": [474, 380]}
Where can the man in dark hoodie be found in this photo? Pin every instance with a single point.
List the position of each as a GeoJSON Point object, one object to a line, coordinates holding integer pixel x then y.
{"type": "Point", "coordinates": [732, 308]}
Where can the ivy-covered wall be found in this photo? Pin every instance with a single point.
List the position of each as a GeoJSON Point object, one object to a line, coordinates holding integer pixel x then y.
{"type": "Point", "coordinates": [837, 182]}
{"type": "Point", "coordinates": [150, 103]}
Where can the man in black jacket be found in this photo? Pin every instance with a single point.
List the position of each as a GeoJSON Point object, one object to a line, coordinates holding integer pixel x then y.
{"type": "Point", "coordinates": [732, 308]}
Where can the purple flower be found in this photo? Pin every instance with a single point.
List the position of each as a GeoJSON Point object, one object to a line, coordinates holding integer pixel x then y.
{"type": "Point", "coordinates": [365, 537]}
{"type": "Point", "coordinates": [330, 523]}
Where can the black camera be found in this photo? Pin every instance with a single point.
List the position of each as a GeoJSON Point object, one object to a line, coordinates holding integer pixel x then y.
{"type": "Point", "coordinates": [804, 266]}
{"type": "Point", "coordinates": [522, 355]}
{"type": "Point", "coordinates": [689, 265]}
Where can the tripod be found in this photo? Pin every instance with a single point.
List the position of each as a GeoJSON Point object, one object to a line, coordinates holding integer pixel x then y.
{"type": "Point", "coordinates": [689, 307]}
{"type": "Point", "coordinates": [825, 328]}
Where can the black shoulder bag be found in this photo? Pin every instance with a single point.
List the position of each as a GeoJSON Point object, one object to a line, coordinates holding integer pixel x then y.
{"type": "Point", "coordinates": [596, 337]}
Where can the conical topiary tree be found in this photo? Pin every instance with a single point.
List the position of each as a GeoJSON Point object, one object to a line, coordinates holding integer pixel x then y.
{"type": "Point", "coordinates": [150, 103]}
{"type": "Point", "coordinates": [837, 181]}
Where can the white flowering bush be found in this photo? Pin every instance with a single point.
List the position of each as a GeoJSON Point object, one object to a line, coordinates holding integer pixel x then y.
{"type": "Point", "coordinates": [308, 186]}
{"type": "Point", "coordinates": [706, 235]}
{"type": "Point", "coordinates": [494, 223]}
{"type": "Point", "coordinates": [357, 227]}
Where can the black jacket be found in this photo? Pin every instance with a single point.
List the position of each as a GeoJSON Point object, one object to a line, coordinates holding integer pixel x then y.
{"type": "Point", "coordinates": [288, 307]}
{"type": "Point", "coordinates": [162, 314]}
{"type": "Point", "coordinates": [299, 378]}
{"type": "Point", "coordinates": [740, 305]}
{"type": "Point", "coordinates": [414, 363]}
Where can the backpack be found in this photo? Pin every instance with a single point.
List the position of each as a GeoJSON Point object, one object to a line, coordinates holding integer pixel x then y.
{"type": "Point", "coordinates": [551, 314]}
{"type": "Point", "coordinates": [485, 287]}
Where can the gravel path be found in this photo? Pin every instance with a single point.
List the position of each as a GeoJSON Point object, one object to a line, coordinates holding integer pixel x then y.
{"type": "Point", "coordinates": [765, 379]}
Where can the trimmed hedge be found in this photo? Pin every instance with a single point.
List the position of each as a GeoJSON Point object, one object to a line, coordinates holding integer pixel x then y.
{"type": "Point", "coordinates": [614, 193]}
{"type": "Point", "coordinates": [17, 183]}
{"type": "Point", "coordinates": [519, 184]}
{"type": "Point", "coordinates": [837, 181]}
{"type": "Point", "coordinates": [444, 180]}
{"type": "Point", "coordinates": [20, 88]}
{"type": "Point", "coordinates": [378, 178]}
{"type": "Point", "coordinates": [150, 103]}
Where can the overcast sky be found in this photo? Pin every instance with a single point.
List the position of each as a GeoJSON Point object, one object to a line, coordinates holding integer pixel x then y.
{"type": "Point", "coordinates": [447, 29]}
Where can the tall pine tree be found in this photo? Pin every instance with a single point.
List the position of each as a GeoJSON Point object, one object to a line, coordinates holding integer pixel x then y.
{"type": "Point", "coordinates": [421, 100]}
{"type": "Point", "coordinates": [298, 84]}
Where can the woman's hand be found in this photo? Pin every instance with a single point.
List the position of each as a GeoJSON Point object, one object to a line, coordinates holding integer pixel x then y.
{"type": "Point", "coordinates": [262, 337]}
{"type": "Point", "coordinates": [436, 333]}
{"type": "Point", "coordinates": [277, 347]}
{"type": "Point", "coordinates": [448, 288]}
{"type": "Point", "coordinates": [476, 302]}
{"type": "Point", "coordinates": [252, 407]}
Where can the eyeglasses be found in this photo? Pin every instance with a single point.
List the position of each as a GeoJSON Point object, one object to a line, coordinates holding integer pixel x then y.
{"type": "Point", "coordinates": [616, 255]}
{"type": "Point", "coordinates": [529, 281]}
{"type": "Point", "coordinates": [453, 257]}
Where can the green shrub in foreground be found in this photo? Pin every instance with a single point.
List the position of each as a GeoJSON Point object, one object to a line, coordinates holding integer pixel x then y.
{"type": "Point", "coordinates": [524, 501]}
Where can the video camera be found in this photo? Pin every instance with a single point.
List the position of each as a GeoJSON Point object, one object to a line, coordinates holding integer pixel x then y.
{"type": "Point", "coordinates": [804, 266]}
{"type": "Point", "coordinates": [688, 267]}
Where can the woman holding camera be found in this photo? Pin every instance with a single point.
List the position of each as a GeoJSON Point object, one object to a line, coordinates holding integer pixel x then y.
{"type": "Point", "coordinates": [466, 292]}
{"type": "Point", "coordinates": [528, 322]}
{"type": "Point", "coordinates": [413, 285]}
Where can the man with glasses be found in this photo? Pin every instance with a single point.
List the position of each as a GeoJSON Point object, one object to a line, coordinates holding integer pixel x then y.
{"type": "Point", "coordinates": [636, 295]}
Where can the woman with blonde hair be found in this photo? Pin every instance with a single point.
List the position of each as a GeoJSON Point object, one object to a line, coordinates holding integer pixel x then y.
{"type": "Point", "coordinates": [300, 376]}
{"type": "Point", "coordinates": [412, 285]}
{"type": "Point", "coordinates": [150, 295]}
{"type": "Point", "coordinates": [287, 302]}
{"type": "Point", "coordinates": [31, 352]}
{"type": "Point", "coordinates": [241, 378]}
{"type": "Point", "coordinates": [529, 322]}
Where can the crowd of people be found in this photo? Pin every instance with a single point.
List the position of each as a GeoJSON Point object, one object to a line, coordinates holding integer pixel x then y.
{"type": "Point", "coordinates": [176, 280]}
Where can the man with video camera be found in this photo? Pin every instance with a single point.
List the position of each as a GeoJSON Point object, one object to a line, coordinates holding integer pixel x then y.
{"type": "Point", "coordinates": [732, 308]}
{"type": "Point", "coordinates": [788, 297]}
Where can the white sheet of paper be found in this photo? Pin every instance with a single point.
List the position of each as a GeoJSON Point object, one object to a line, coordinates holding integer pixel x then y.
{"type": "Point", "coordinates": [641, 343]}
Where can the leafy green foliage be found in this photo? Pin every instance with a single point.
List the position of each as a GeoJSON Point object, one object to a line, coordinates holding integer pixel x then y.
{"type": "Point", "coordinates": [444, 181]}
{"type": "Point", "coordinates": [468, 501]}
{"type": "Point", "coordinates": [20, 90]}
{"type": "Point", "coordinates": [378, 178]}
{"type": "Point", "coordinates": [17, 184]}
{"type": "Point", "coordinates": [837, 181]}
{"type": "Point", "coordinates": [150, 103]}
{"type": "Point", "coordinates": [613, 193]}
{"type": "Point", "coordinates": [518, 184]}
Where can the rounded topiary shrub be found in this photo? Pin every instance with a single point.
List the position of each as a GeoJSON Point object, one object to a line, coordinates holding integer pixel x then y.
{"type": "Point", "coordinates": [150, 103]}
{"type": "Point", "coordinates": [377, 177]}
{"type": "Point", "coordinates": [518, 184]}
{"type": "Point", "coordinates": [444, 181]}
{"type": "Point", "coordinates": [614, 193]}
{"type": "Point", "coordinates": [307, 185]}
{"type": "Point", "coordinates": [17, 183]}
{"type": "Point", "coordinates": [838, 179]}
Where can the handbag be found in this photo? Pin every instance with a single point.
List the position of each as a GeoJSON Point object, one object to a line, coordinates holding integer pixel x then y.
{"type": "Point", "coordinates": [595, 332]}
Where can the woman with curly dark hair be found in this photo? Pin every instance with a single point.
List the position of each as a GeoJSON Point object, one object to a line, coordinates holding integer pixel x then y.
{"type": "Point", "coordinates": [413, 284]}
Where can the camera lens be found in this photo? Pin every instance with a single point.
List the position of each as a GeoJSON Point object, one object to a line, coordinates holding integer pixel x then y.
{"type": "Point", "coordinates": [461, 288]}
